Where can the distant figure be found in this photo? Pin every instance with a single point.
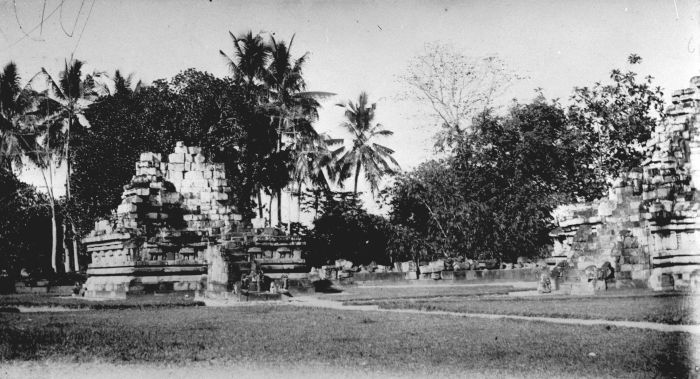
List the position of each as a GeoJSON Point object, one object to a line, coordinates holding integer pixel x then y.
{"type": "Point", "coordinates": [245, 282]}
{"type": "Point", "coordinates": [261, 278]}
{"type": "Point", "coordinates": [606, 272]}
{"type": "Point", "coordinates": [545, 283]}
{"type": "Point", "coordinates": [76, 289]}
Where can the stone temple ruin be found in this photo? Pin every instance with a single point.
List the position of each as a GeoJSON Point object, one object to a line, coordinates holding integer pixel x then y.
{"type": "Point", "coordinates": [648, 229]}
{"type": "Point", "coordinates": [176, 230]}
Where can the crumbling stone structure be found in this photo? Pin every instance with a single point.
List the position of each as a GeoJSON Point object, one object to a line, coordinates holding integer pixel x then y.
{"type": "Point", "coordinates": [648, 228]}
{"type": "Point", "coordinates": [175, 218]}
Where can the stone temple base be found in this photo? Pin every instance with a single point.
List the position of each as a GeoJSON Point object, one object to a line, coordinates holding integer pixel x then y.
{"type": "Point", "coordinates": [140, 278]}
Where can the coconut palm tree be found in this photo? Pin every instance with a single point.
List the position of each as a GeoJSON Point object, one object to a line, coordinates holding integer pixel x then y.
{"type": "Point", "coordinates": [20, 116]}
{"type": "Point", "coordinates": [42, 153]}
{"type": "Point", "coordinates": [365, 155]}
{"type": "Point", "coordinates": [123, 85]}
{"type": "Point", "coordinates": [313, 162]}
{"type": "Point", "coordinates": [250, 57]}
{"type": "Point", "coordinates": [274, 80]}
{"type": "Point", "coordinates": [15, 103]}
{"type": "Point", "coordinates": [247, 64]}
{"type": "Point", "coordinates": [67, 99]}
{"type": "Point", "coordinates": [295, 109]}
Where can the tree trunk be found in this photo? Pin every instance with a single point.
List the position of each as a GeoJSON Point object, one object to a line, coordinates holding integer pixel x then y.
{"type": "Point", "coordinates": [299, 204]}
{"type": "Point", "coordinates": [357, 175]}
{"type": "Point", "coordinates": [66, 222]}
{"type": "Point", "coordinates": [279, 206]}
{"type": "Point", "coordinates": [269, 212]}
{"type": "Point", "coordinates": [76, 264]}
{"type": "Point", "coordinates": [278, 192]}
{"type": "Point", "coordinates": [53, 235]}
{"type": "Point", "coordinates": [66, 250]}
{"type": "Point", "coordinates": [260, 205]}
{"type": "Point", "coordinates": [316, 205]}
{"type": "Point", "coordinates": [52, 205]}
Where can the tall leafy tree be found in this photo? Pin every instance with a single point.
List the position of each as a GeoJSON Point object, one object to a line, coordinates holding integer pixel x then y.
{"type": "Point", "coordinates": [618, 119]}
{"type": "Point", "coordinates": [494, 197]}
{"type": "Point", "coordinates": [365, 155]}
{"type": "Point", "coordinates": [455, 87]}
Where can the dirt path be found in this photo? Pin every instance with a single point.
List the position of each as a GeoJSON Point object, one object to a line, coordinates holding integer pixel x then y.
{"type": "Point", "coordinates": [227, 369]}
{"type": "Point", "coordinates": [423, 284]}
{"type": "Point", "coordinates": [319, 303]}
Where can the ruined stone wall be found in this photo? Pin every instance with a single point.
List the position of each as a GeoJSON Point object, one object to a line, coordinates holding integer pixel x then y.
{"type": "Point", "coordinates": [648, 227]}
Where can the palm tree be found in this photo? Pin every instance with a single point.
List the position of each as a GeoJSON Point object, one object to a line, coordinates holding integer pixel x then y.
{"type": "Point", "coordinates": [312, 155]}
{"type": "Point", "coordinates": [295, 108]}
{"type": "Point", "coordinates": [67, 99]}
{"type": "Point", "coordinates": [274, 80]}
{"type": "Point", "coordinates": [365, 155]}
{"type": "Point", "coordinates": [250, 57]}
{"type": "Point", "coordinates": [15, 103]}
{"type": "Point", "coordinates": [43, 155]}
{"type": "Point", "coordinates": [124, 85]}
{"type": "Point", "coordinates": [19, 118]}
{"type": "Point", "coordinates": [283, 79]}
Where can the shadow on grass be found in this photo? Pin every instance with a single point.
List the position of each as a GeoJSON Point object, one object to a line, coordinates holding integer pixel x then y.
{"type": "Point", "coordinates": [325, 286]}
{"type": "Point", "coordinates": [10, 302]}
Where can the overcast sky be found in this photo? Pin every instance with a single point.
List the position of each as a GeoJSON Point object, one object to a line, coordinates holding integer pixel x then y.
{"type": "Point", "coordinates": [364, 45]}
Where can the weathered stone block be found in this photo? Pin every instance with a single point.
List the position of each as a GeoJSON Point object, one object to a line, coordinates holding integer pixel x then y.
{"type": "Point", "coordinates": [641, 274]}
{"type": "Point", "coordinates": [670, 242]}
{"type": "Point", "coordinates": [195, 176]}
{"type": "Point", "coordinates": [176, 158]}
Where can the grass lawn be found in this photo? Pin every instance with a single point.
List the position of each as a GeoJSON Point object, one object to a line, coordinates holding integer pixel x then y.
{"type": "Point", "coordinates": [665, 308]}
{"type": "Point", "coordinates": [359, 293]}
{"type": "Point", "coordinates": [38, 300]}
{"type": "Point", "coordinates": [355, 341]}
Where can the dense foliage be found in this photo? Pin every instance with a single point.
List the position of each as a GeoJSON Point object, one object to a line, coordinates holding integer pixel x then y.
{"type": "Point", "coordinates": [24, 216]}
{"type": "Point", "coordinates": [493, 198]}
{"type": "Point", "coordinates": [617, 119]}
{"type": "Point", "coordinates": [345, 230]}
{"type": "Point", "coordinates": [194, 107]}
